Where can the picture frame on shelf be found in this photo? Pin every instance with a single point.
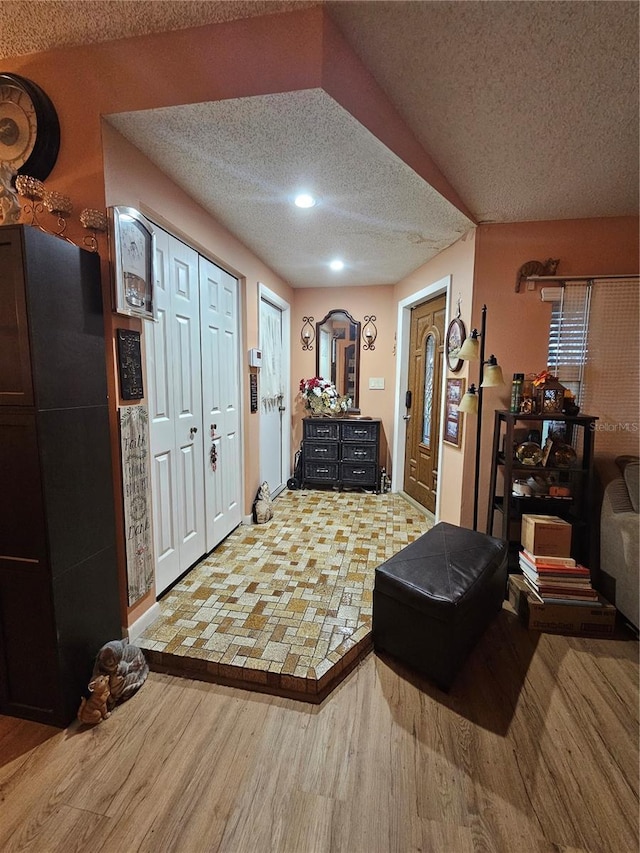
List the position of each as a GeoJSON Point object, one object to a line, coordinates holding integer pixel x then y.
{"type": "Point", "coordinates": [453, 418]}
{"type": "Point", "coordinates": [132, 241]}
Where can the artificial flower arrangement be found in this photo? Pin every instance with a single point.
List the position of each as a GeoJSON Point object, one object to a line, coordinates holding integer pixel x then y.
{"type": "Point", "coordinates": [322, 398]}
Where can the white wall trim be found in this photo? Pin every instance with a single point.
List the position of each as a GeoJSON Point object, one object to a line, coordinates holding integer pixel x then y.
{"type": "Point", "coordinates": [443, 285]}
{"type": "Point", "coordinates": [141, 624]}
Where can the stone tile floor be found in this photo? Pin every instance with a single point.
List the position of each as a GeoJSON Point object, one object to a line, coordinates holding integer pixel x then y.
{"type": "Point", "coordinates": [284, 607]}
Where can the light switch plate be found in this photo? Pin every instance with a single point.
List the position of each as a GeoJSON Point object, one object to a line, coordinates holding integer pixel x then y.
{"type": "Point", "coordinates": [376, 383]}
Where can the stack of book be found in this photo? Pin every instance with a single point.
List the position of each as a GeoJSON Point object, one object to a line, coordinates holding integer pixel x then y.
{"type": "Point", "coordinates": [558, 580]}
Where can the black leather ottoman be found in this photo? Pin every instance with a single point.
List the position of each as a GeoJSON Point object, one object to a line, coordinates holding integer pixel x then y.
{"type": "Point", "coordinates": [434, 599]}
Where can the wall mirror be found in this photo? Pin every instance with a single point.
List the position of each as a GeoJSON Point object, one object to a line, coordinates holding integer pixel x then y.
{"type": "Point", "coordinates": [338, 352]}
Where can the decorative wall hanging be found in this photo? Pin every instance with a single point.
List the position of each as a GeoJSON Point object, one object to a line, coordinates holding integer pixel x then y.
{"type": "Point", "coordinates": [456, 334]}
{"type": "Point", "coordinates": [58, 205]}
{"type": "Point", "coordinates": [130, 365]}
{"type": "Point", "coordinates": [94, 221]}
{"type": "Point", "coordinates": [136, 488]}
{"type": "Point", "coordinates": [307, 333]}
{"type": "Point", "coordinates": [369, 332]}
{"type": "Point", "coordinates": [132, 255]}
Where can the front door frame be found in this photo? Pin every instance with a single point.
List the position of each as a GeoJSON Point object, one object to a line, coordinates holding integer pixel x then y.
{"type": "Point", "coordinates": [443, 285]}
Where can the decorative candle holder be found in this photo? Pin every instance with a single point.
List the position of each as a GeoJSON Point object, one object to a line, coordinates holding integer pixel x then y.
{"type": "Point", "coordinates": [95, 221]}
{"type": "Point", "coordinates": [34, 190]}
{"type": "Point", "coordinates": [58, 205]}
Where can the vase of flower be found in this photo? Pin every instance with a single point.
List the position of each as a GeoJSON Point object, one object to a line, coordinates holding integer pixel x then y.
{"type": "Point", "coordinates": [322, 399]}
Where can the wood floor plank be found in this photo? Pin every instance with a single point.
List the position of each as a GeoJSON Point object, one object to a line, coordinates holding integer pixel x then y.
{"type": "Point", "coordinates": [534, 749]}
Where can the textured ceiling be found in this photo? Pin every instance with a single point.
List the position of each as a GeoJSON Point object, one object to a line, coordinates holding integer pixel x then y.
{"type": "Point", "coordinates": [530, 110]}
{"type": "Point", "coordinates": [374, 212]}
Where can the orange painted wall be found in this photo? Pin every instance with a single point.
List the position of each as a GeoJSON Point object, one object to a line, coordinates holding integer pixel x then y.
{"type": "Point", "coordinates": [518, 323]}
{"type": "Point", "coordinates": [358, 301]}
{"type": "Point", "coordinates": [456, 498]}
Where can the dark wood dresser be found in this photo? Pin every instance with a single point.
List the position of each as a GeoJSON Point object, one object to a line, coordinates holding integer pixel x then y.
{"type": "Point", "coordinates": [341, 452]}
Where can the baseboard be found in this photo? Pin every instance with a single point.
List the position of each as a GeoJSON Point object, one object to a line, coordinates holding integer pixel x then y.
{"type": "Point", "coordinates": [141, 624]}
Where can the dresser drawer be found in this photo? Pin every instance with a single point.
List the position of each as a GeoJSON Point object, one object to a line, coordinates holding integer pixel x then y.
{"type": "Point", "coordinates": [325, 429]}
{"type": "Point", "coordinates": [358, 474]}
{"type": "Point", "coordinates": [320, 472]}
{"type": "Point", "coordinates": [360, 431]}
{"type": "Point", "coordinates": [321, 451]}
{"type": "Point", "coordinates": [359, 452]}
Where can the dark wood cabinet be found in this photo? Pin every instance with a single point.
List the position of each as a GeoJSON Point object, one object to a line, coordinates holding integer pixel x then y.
{"type": "Point", "coordinates": [59, 595]}
{"type": "Point", "coordinates": [341, 452]}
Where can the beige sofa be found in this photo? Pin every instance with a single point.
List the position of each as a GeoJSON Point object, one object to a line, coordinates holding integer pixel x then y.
{"type": "Point", "coordinates": [619, 537]}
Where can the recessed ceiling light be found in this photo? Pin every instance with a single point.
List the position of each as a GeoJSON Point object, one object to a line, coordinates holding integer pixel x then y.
{"type": "Point", "coordinates": [304, 200]}
{"type": "Point", "coordinates": [337, 265]}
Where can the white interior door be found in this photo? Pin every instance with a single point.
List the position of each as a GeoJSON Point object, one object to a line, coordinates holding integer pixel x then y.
{"type": "Point", "coordinates": [275, 420]}
{"type": "Point", "coordinates": [221, 401]}
{"type": "Point", "coordinates": [175, 407]}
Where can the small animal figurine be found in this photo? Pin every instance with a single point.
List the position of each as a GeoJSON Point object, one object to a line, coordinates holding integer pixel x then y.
{"type": "Point", "coordinates": [94, 709]}
{"type": "Point", "coordinates": [547, 267]}
{"type": "Point", "coordinates": [125, 667]}
{"type": "Point", "coordinates": [263, 505]}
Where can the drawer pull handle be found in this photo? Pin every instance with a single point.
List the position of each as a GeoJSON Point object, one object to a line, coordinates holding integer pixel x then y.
{"type": "Point", "coordinates": [321, 449]}
{"type": "Point", "coordinates": [323, 470]}
{"type": "Point", "coordinates": [359, 452]}
{"type": "Point", "coordinates": [322, 431]}
{"type": "Point", "coordinates": [358, 471]}
{"type": "Point", "coordinates": [359, 432]}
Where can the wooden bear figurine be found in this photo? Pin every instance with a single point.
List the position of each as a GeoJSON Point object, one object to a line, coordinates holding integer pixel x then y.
{"type": "Point", "coordinates": [94, 709]}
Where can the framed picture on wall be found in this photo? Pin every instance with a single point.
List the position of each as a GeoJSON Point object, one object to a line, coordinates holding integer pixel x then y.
{"type": "Point", "coordinates": [132, 255]}
{"type": "Point", "coordinates": [453, 418]}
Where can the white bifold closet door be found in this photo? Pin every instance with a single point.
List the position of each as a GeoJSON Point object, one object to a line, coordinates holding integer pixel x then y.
{"type": "Point", "coordinates": [193, 389]}
{"type": "Point", "coordinates": [220, 401]}
{"type": "Point", "coordinates": [175, 412]}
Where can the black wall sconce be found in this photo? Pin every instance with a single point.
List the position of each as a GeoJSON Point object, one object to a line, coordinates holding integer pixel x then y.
{"type": "Point", "coordinates": [369, 332]}
{"type": "Point", "coordinates": [307, 333]}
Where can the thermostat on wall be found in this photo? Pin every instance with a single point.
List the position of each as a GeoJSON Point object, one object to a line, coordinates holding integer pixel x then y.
{"type": "Point", "coordinates": [255, 358]}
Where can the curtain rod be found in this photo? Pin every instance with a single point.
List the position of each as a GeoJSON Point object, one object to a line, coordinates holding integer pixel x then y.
{"type": "Point", "coordinates": [579, 277]}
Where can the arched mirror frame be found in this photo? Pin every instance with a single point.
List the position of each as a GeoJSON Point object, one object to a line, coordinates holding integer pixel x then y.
{"type": "Point", "coordinates": [353, 339]}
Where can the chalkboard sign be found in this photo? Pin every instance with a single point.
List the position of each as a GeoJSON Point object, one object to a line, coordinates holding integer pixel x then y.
{"type": "Point", "coordinates": [130, 365]}
{"type": "Point", "coordinates": [253, 390]}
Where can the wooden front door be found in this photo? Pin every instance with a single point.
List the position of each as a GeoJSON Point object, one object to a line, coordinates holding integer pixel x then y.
{"type": "Point", "coordinates": [426, 345]}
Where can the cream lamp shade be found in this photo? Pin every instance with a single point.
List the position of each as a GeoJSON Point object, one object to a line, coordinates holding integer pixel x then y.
{"type": "Point", "coordinates": [492, 376]}
{"type": "Point", "coordinates": [470, 349]}
{"type": "Point", "coordinates": [469, 402]}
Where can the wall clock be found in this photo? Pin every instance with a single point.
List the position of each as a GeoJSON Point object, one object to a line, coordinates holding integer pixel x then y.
{"type": "Point", "coordinates": [456, 334]}
{"type": "Point", "coordinates": [29, 127]}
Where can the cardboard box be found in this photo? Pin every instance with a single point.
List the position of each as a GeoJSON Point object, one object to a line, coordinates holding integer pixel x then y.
{"type": "Point", "coordinates": [546, 535]}
{"type": "Point", "coordinates": [576, 619]}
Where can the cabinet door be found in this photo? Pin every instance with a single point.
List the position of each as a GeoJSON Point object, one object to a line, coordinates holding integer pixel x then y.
{"type": "Point", "coordinates": [28, 667]}
{"type": "Point", "coordinates": [15, 364]}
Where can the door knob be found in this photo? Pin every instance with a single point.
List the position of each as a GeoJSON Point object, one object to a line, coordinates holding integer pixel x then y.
{"type": "Point", "coordinates": [193, 431]}
{"type": "Point", "coordinates": [406, 417]}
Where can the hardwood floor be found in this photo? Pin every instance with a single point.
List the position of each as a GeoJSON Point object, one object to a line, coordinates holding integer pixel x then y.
{"type": "Point", "coordinates": [534, 750]}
